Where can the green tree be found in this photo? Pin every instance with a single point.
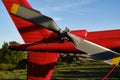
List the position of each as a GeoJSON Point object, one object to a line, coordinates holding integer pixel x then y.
{"type": "Point", "coordinates": [9, 56]}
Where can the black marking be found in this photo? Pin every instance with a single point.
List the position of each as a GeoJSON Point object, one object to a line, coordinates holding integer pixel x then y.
{"type": "Point", "coordinates": [104, 55]}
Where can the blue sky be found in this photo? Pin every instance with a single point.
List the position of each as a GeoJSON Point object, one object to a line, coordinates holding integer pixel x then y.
{"type": "Point", "coordinates": [92, 15]}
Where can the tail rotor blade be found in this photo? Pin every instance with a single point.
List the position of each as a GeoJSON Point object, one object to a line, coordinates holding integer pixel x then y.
{"type": "Point", "coordinates": [94, 50]}
{"type": "Point", "coordinates": [34, 16]}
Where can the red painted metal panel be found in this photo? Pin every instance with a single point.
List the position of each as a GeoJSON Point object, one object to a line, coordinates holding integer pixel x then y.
{"type": "Point", "coordinates": [40, 66]}
{"type": "Point", "coordinates": [65, 47]}
{"type": "Point", "coordinates": [107, 38]}
{"type": "Point", "coordinates": [104, 34]}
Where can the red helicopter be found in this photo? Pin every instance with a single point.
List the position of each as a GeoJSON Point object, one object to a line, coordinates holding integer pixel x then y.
{"type": "Point", "coordinates": [45, 40]}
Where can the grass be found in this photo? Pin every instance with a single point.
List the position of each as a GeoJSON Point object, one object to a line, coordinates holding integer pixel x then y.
{"type": "Point", "coordinates": [7, 72]}
{"type": "Point", "coordinates": [13, 75]}
{"type": "Point", "coordinates": [74, 71]}
{"type": "Point", "coordinates": [84, 71]}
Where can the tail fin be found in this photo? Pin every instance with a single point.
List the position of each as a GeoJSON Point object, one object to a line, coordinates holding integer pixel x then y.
{"type": "Point", "coordinates": [29, 31]}
{"type": "Point", "coordinates": [40, 65]}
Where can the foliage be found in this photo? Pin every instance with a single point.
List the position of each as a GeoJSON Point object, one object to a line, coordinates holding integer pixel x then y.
{"type": "Point", "coordinates": [73, 57]}
{"type": "Point", "coordinates": [22, 64]}
{"type": "Point", "coordinates": [8, 56]}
